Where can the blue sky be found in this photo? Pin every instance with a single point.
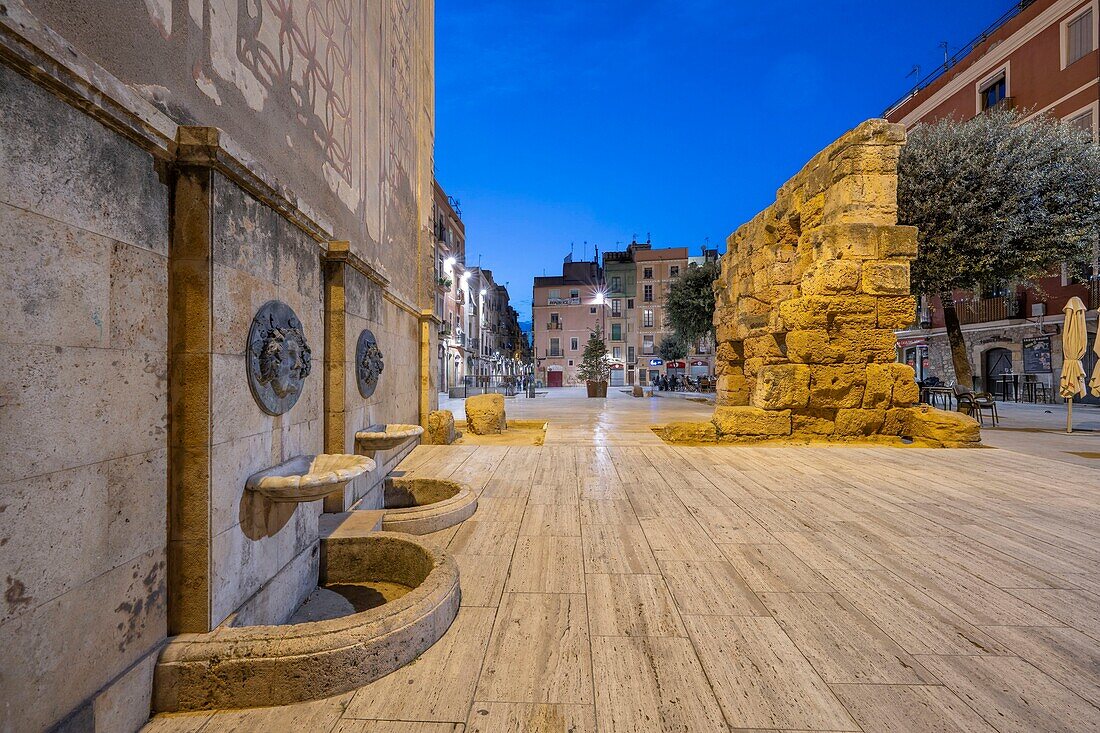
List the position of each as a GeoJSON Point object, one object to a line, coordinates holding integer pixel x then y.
{"type": "Point", "coordinates": [595, 120]}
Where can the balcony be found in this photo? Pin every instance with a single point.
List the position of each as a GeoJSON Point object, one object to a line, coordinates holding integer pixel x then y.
{"type": "Point", "coordinates": [983, 310]}
{"type": "Point", "coordinates": [555, 353]}
{"type": "Point", "coordinates": [553, 326]}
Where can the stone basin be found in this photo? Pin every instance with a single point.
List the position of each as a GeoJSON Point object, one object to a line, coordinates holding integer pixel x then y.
{"type": "Point", "coordinates": [309, 478]}
{"type": "Point", "coordinates": [258, 666]}
{"type": "Point", "coordinates": [384, 437]}
{"type": "Point", "coordinates": [417, 505]}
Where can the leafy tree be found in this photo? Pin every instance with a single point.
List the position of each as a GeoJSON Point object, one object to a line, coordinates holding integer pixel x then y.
{"type": "Point", "coordinates": [996, 201]}
{"type": "Point", "coordinates": [672, 347]}
{"type": "Point", "coordinates": [595, 366]}
{"type": "Point", "coordinates": [689, 307]}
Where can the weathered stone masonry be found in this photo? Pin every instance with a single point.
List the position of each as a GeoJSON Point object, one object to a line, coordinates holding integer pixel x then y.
{"type": "Point", "coordinates": [810, 294]}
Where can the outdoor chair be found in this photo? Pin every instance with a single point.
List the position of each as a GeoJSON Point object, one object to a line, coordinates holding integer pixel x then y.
{"type": "Point", "coordinates": [972, 403]}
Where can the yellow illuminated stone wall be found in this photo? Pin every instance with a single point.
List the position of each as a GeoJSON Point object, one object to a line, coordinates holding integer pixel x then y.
{"type": "Point", "coordinates": [810, 294]}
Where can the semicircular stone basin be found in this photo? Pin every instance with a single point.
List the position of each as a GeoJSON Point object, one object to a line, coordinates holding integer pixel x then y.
{"type": "Point", "coordinates": [308, 478]}
{"type": "Point", "coordinates": [398, 598]}
{"type": "Point", "coordinates": [421, 505]}
{"type": "Point", "coordinates": [384, 437]}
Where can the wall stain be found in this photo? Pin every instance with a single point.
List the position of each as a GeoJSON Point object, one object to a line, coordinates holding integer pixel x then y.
{"type": "Point", "coordinates": [16, 594]}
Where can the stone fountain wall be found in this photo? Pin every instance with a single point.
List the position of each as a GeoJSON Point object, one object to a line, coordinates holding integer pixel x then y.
{"type": "Point", "coordinates": [159, 181]}
{"type": "Point", "coordinates": [810, 294]}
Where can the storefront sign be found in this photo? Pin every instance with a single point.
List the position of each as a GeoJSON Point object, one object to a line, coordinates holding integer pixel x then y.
{"type": "Point", "coordinates": [655, 362]}
{"type": "Point", "coordinates": [1037, 355]}
{"type": "Point", "coordinates": [676, 365]}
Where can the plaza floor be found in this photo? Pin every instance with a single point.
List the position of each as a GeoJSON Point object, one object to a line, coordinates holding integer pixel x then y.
{"type": "Point", "coordinates": [613, 583]}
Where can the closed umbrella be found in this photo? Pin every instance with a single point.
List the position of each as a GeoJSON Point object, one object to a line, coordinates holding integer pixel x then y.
{"type": "Point", "coordinates": [1074, 343]}
{"type": "Point", "coordinates": [1094, 383]}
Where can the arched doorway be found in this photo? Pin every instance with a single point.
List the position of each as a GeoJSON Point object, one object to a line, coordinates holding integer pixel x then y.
{"type": "Point", "coordinates": [996, 362]}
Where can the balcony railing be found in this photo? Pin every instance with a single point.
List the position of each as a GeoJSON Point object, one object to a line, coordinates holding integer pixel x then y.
{"type": "Point", "coordinates": [1094, 294]}
{"type": "Point", "coordinates": [983, 310]}
{"type": "Point", "coordinates": [553, 326]}
{"type": "Point", "coordinates": [554, 353]}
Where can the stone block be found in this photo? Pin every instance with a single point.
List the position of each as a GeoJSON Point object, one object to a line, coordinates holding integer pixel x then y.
{"type": "Point", "coordinates": [441, 428]}
{"type": "Point", "coordinates": [846, 241]}
{"type": "Point", "coordinates": [949, 429]}
{"type": "Point", "coordinates": [814, 422]}
{"type": "Point", "coordinates": [896, 312]}
{"type": "Point", "coordinates": [840, 386]}
{"type": "Point", "coordinates": [880, 387]}
{"type": "Point", "coordinates": [485, 414]}
{"type": "Point", "coordinates": [782, 386]}
{"type": "Point", "coordinates": [850, 310]}
{"type": "Point", "coordinates": [733, 389]}
{"type": "Point", "coordinates": [751, 422]}
{"type": "Point", "coordinates": [833, 276]}
{"type": "Point", "coordinates": [730, 351]}
{"type": "Point", "coordinates": [769, 347]}
{"type": "Point", "coordinates": [870, 199]}
{"type": "Point", "coordinates": [807, 312]}
{"type": "Point", "coordinates": [689, 433]}
{"type": "Point", "coordinates": [858, 423]}
{"type": "Point", "coordinates": [886, 277]}
{"type": "Point", "coordinates": [906, 391]}
{"type": "Point", "coordinates": [898, 241]}
{"type": "Point", "coordinates": [813, 347]}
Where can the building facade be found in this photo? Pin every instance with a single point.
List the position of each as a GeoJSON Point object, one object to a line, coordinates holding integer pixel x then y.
{"type": "Point", "coordinates": [454, 358]}
{"type": "Point", "coordinates": [1041, 58]}
{"type": "Point", "coordinates": [625, 299]}
{"type": "Point", "coordinates": [638, 280]}
{"type": "Point", "coordinates": [168, 170]}
{"type": "Point", "coordinates": [566, 309]}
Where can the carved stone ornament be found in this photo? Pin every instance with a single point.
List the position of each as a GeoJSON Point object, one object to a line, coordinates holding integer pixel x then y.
{"type": "Point", "coordinates": [278, 357]}
{"type": "Point", "coordinates": [368, 363]}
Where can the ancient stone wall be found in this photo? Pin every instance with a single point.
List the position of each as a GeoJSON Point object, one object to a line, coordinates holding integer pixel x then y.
{"type": "Point", "coordinates": [810, 293]}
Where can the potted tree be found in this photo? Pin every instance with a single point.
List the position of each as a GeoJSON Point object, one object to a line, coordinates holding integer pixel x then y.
{"type": "Point", "coordinates": [594, 368]}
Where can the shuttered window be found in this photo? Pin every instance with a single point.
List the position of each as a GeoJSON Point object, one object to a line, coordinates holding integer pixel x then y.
{"type": "Point", "coordinates": [1079, 40]}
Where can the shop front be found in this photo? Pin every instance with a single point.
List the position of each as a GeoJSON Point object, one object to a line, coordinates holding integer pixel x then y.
{"type": "Point", "coordinates": [618, 375]}
{"type": "Point", "coordinates": [699, 368]}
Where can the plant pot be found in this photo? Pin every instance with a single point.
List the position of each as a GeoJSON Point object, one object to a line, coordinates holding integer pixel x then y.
{"type": "Point", "coordinates": [596, 389]}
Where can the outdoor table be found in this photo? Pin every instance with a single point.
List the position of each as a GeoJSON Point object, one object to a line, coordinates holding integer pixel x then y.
{"type": "Point", "coordinates": [1006, 379]}
{"type": "Point", "coordinates": [946, 393]}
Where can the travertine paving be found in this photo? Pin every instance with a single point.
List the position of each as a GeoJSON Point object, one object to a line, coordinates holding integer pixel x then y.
{"type": "Point", "coordinates": [618, 584]}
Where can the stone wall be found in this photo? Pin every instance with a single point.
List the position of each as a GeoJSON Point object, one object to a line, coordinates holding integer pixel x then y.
{"type": "Point", "coordinates": [83, 401]}
{"type": "Point", "coordinates": [810, 294]}
{"type": "Point", "coordinates": [137, 240]}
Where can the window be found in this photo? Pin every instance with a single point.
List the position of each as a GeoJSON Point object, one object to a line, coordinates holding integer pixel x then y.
{"type": "Point", "coordinates": [674, 271]}
{"type": "Point", "coordinates": [647, 294]}
{"type": "Point", "coordinates": [630, 304]}
{"type": "Point", "coordinates": [647, 273]}
{"type": "Point", "coordinates": [1085, 120]}
{"type": "Point", "coordinates": [993, 91]}
{"type": "Point", "coordinates": [574, 293]}
{"type": "Point", "coordinates": [555, 294]}
{"type": "Point", "coordinates": [1078, 37]}
{"type": "Point", "coordinates": [647, 318]}
{"type": "Point", "coordinates": [617, 353]}
{"type": "Point", "coordinates": [630, 354]}
{"type": "Point", "coordinates": [555, 347]}
{"type": "Point", "coordinates": [570, 362]}
{"type": "Point", "coordinates": [573, 343]}
{"type": "Point", "coordinates": [647, 344]}
{"type": "Point", "coordinates": [616, 332]}
{"type": "Point", "coordinates": [592, 310]}
{"type": "Point", "coordinates": [616, 307]}
{"type": "Point", "coordinates": [616, 284]}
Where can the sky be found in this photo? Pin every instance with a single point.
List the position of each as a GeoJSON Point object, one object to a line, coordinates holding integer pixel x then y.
{"type": "Point", "coordinates": [596, 121]}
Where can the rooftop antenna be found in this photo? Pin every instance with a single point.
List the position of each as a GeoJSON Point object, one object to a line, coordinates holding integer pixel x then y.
{"type": "Point", "coordinates": [648, 239]}
{"type": "Point", "coordinates": [946, 58]}
{"type": "Point", "coordinates": [915, 72]}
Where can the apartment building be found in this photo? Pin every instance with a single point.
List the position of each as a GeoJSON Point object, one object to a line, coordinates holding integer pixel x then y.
{"type": "Point", "coordinates": [638, 280]}
{"type": "Point", "coordinates": [1040, 57]}
{"type": "Point", "coordinates": [566, 308]}
{"type": "Point", "coordinates": [453, 358]}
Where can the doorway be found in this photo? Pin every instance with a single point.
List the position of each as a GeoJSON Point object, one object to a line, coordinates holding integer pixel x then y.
{"type": "Point", "coordinates": [553, 378]}
{"type": "Point", "coordinates": [997, 362]}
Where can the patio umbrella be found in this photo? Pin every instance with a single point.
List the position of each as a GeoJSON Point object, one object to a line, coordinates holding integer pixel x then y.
{"type": "Point", "coordinates": [1074, 343]}
{"type": "Point", "coordinates": [1094, 382]}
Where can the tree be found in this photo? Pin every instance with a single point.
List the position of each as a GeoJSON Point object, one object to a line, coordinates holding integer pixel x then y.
{"type": "Point", "coordinates": [672, 348]}
{"type": "Point", "coordinates": [996, 201]}
{"type": "Point", "coordinates": [594, 366]}
{"type": "Point", "coordinates": [689, 308]}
